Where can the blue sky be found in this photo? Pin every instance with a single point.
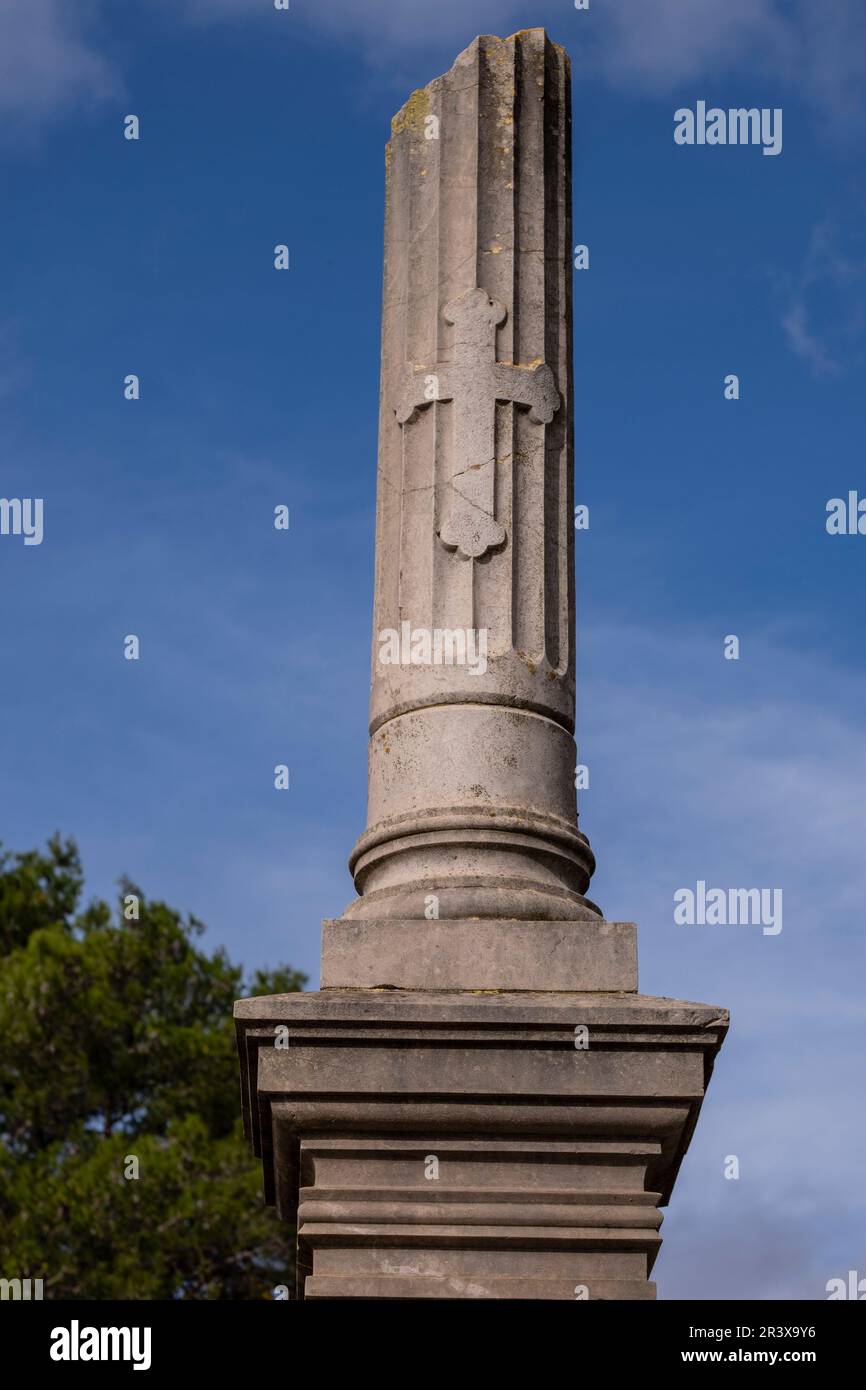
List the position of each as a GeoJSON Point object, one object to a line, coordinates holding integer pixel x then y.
{"type": "Point", "coordinates": [259, 388]}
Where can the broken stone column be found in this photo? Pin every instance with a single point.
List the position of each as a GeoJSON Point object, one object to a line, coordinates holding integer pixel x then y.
{"type": "Point", "coordinates": [477, 1103]}
{"type": "Point", "coordinates": [471, 787]}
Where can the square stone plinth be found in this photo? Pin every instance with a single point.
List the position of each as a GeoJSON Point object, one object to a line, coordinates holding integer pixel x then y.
{"type": "Point", "coordinates": [479, 954]}
{"type": "Point", "coordinates": [473, 1145]}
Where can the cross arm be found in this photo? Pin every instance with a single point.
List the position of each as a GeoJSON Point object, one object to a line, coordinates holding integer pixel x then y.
{"type": "Point", "coordinates": [421, 386]}
{"type": "Point", "coordinates": [532, 386]}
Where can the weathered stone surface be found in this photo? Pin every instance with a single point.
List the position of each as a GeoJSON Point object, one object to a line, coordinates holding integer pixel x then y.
{"type": "Point", "coordinates": [478, 1103]}
{"type": "Point", "coordinates": [471, 788]}
{"type": "Point", "coordinates": [479, 955]}
{"type": "Point", "coordinates": [551, 1159]}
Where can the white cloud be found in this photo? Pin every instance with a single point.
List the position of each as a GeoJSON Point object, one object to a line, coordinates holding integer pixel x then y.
{"type": "Point", "coordinates": [48, 63]}
{"type": "Point", "coordinates": [817, 50]}
{"type": "Point", "coordinates": [802, 341]}
{"type": "Point", "coordinates": [662, 43]}
{"type": "Point", "coordinates": [388, 24]}
{"type": "Point", "coordinates": [832, 52]}
{"type": "Point", "coordinates": [824, 311]}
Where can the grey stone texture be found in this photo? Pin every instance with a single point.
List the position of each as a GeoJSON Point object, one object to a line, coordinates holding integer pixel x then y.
{"type": "Point", "coordinates": [471, 775]}
{"type": "Point", "coordinates": [479, 955]}
{"type": "Point", "coordinates": [551, 1159]}
{"type": "Point", "coordinates": [477, 1103]}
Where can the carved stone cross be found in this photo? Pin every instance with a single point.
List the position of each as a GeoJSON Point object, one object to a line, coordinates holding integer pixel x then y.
{"type": "Point", "coordinates": [475, 381]}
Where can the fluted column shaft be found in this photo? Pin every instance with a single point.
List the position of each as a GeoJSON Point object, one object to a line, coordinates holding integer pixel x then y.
{"type": "Point", "coordinates": [471, 761]}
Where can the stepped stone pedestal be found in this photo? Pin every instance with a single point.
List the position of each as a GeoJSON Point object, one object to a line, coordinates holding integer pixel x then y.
{"type": "Point", "coordinates": [460, 1145]}
{"type": "Point", "coordinates": [477, 1103]}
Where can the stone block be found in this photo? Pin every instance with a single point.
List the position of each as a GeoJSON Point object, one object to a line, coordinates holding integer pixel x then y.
{"type": "Point", "coordinates": [479, 954]}
{"type": "Point", "coordinates": [466, 1145]}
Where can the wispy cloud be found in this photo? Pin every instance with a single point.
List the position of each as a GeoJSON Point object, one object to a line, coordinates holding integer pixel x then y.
{"type": "Point", "coordinates": [381, 24]}
{"type": "Point", "coordinates": [818, 50]}
{"type": "Point", "coordinates": [744, 774]}
{"type": "Point", "coordinates": [824, 311]}
{"type": "Point", "coordinates": [661, 44]}
{"type": "Point", "coordinates": [49, 60]}
{"type": "Point", "coordinates": [802, 341]}
{"type": "Point", "coordinates": [51, 56]}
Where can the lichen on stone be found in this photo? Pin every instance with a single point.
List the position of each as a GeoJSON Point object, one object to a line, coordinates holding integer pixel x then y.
{"type": "Point", "coordinates": [411, 116]}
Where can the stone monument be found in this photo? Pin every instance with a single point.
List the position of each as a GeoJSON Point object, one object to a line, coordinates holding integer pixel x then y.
{"type": "Point", "coordinates": [477, 1103]}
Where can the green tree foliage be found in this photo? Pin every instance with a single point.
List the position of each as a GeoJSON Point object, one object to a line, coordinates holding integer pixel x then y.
{"type": "Point", "coordinates": [117, 1055]}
